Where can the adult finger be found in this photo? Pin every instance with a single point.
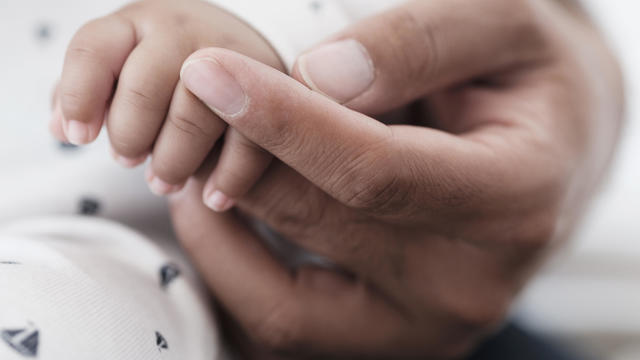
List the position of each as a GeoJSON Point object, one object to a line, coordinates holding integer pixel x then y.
{"type": "Point", "coordinates": [391, 59]}
{"type": "Point", "coordinates": [92, 64]}
{"type": "Point", "coordinates": [312, 310]}
{"type": "Point", "coordinates": [354, 158]}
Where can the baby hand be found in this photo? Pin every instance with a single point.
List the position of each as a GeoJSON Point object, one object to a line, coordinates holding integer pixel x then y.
{"type": "Point", "coordinates": [124, 70]}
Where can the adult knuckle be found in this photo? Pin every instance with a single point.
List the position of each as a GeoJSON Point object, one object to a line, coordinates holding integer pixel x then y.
{"type": "Point", "coordinates": [377, 185]}
{"type": "Point", "coordinates": [278, 331]}
{"type": "Point", "coordinates": [286, 146]}
{"type": "Point", "coordinates": [455, 193]}
{"type": "Point", "coordinates": [374, 193]}
{"type": "Point", "coordinates": [300, 216]}
{"type": "Point", "coordinates": [279, 135]}
{"type": "Point", "coordinates": [450, 189]}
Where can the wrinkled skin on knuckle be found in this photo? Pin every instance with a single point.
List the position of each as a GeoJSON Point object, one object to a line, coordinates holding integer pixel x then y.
{"type": "Point", "coordinates": [446, 194]}
{"type": "Point", "coordinates": [299, 217]}
{"type": "Point", "coordinates": [375, 181]}
{"type": "Point", "coordinates": [280, 134]}
{"type": "Point", "coordinates": [457, 192]}
{"type": "Point", "coordinates": [381, 194]}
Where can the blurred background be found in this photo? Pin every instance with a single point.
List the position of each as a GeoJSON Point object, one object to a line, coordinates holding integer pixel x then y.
{"type": "Point", "coordinates": [589, 294]}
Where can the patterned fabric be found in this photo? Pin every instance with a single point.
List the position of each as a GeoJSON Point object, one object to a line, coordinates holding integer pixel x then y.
{"type": "Point", "coordinates": [68, 293]}
{"type": "Point", "coordinates": [75, 283]}
{"type": "Point", "coordinates": [83, 288]}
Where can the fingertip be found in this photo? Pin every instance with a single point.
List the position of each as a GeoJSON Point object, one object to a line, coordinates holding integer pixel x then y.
{"type": "Point", "coordinates": [78, 132]}
{"type": "Point", "coordinates": [55, 124]}
{"type": "Point", "coordinates": [158, 186]}
{"type": "Point", "coordinates": [126, 161]}
{"type": "Point", "coordinates": [218, 201]}
{"type": "Point", "coordinates": [162, 188]}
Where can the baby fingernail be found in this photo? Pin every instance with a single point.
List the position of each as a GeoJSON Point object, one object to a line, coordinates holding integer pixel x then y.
{"type": "Point", "coordinates": [128, 162]}
{"type": "Point", "coordinates": [219, 202]}
{"type": "Point", "coordinates": [158, 186]}
{"type": "Point", "coordinates": [341, 70]}
{"type": "Point", "coordinates": [77, 132]}
{"type": "Point", "coordinates": [210, 82]}
{"type": "Point", "coordinates": [56, 123]}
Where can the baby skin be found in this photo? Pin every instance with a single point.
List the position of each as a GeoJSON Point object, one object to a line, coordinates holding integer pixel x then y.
{"type": "Point", "coordinates": [123, 71]}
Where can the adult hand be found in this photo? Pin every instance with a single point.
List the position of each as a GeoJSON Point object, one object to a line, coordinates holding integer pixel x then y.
{"type": "Point", "coordinates": [440, 222]}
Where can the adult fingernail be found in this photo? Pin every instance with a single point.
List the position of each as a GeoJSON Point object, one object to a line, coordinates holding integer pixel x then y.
{"type": "Point", "coordinates": [210, 82]}
{"type": "Point", "coordinates": [77, 132]}
{"type": "Point", "coordinates": [218, 201]}
{"type": "Point", "coordinates": [341, 70]}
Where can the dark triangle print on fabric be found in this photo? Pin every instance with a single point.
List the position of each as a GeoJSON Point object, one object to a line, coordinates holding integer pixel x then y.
{"type": "Point", "coordinates": [24, 341]}
{"type": "Point", "coordinates": [88, 206]}
{"type": "Point", "coordinates": [168, 273]}
{"type": "Point", "coordinates": [161, 342]}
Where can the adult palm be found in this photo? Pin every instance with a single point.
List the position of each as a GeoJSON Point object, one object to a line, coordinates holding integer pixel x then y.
{"type": "Point", "coordinates": [440, 220]}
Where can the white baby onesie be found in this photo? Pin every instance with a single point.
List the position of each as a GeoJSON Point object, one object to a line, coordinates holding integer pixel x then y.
{"type": "Point", "coordinates": [83, 288]}
{"type": "Point", "coordinates": [75, 281]}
